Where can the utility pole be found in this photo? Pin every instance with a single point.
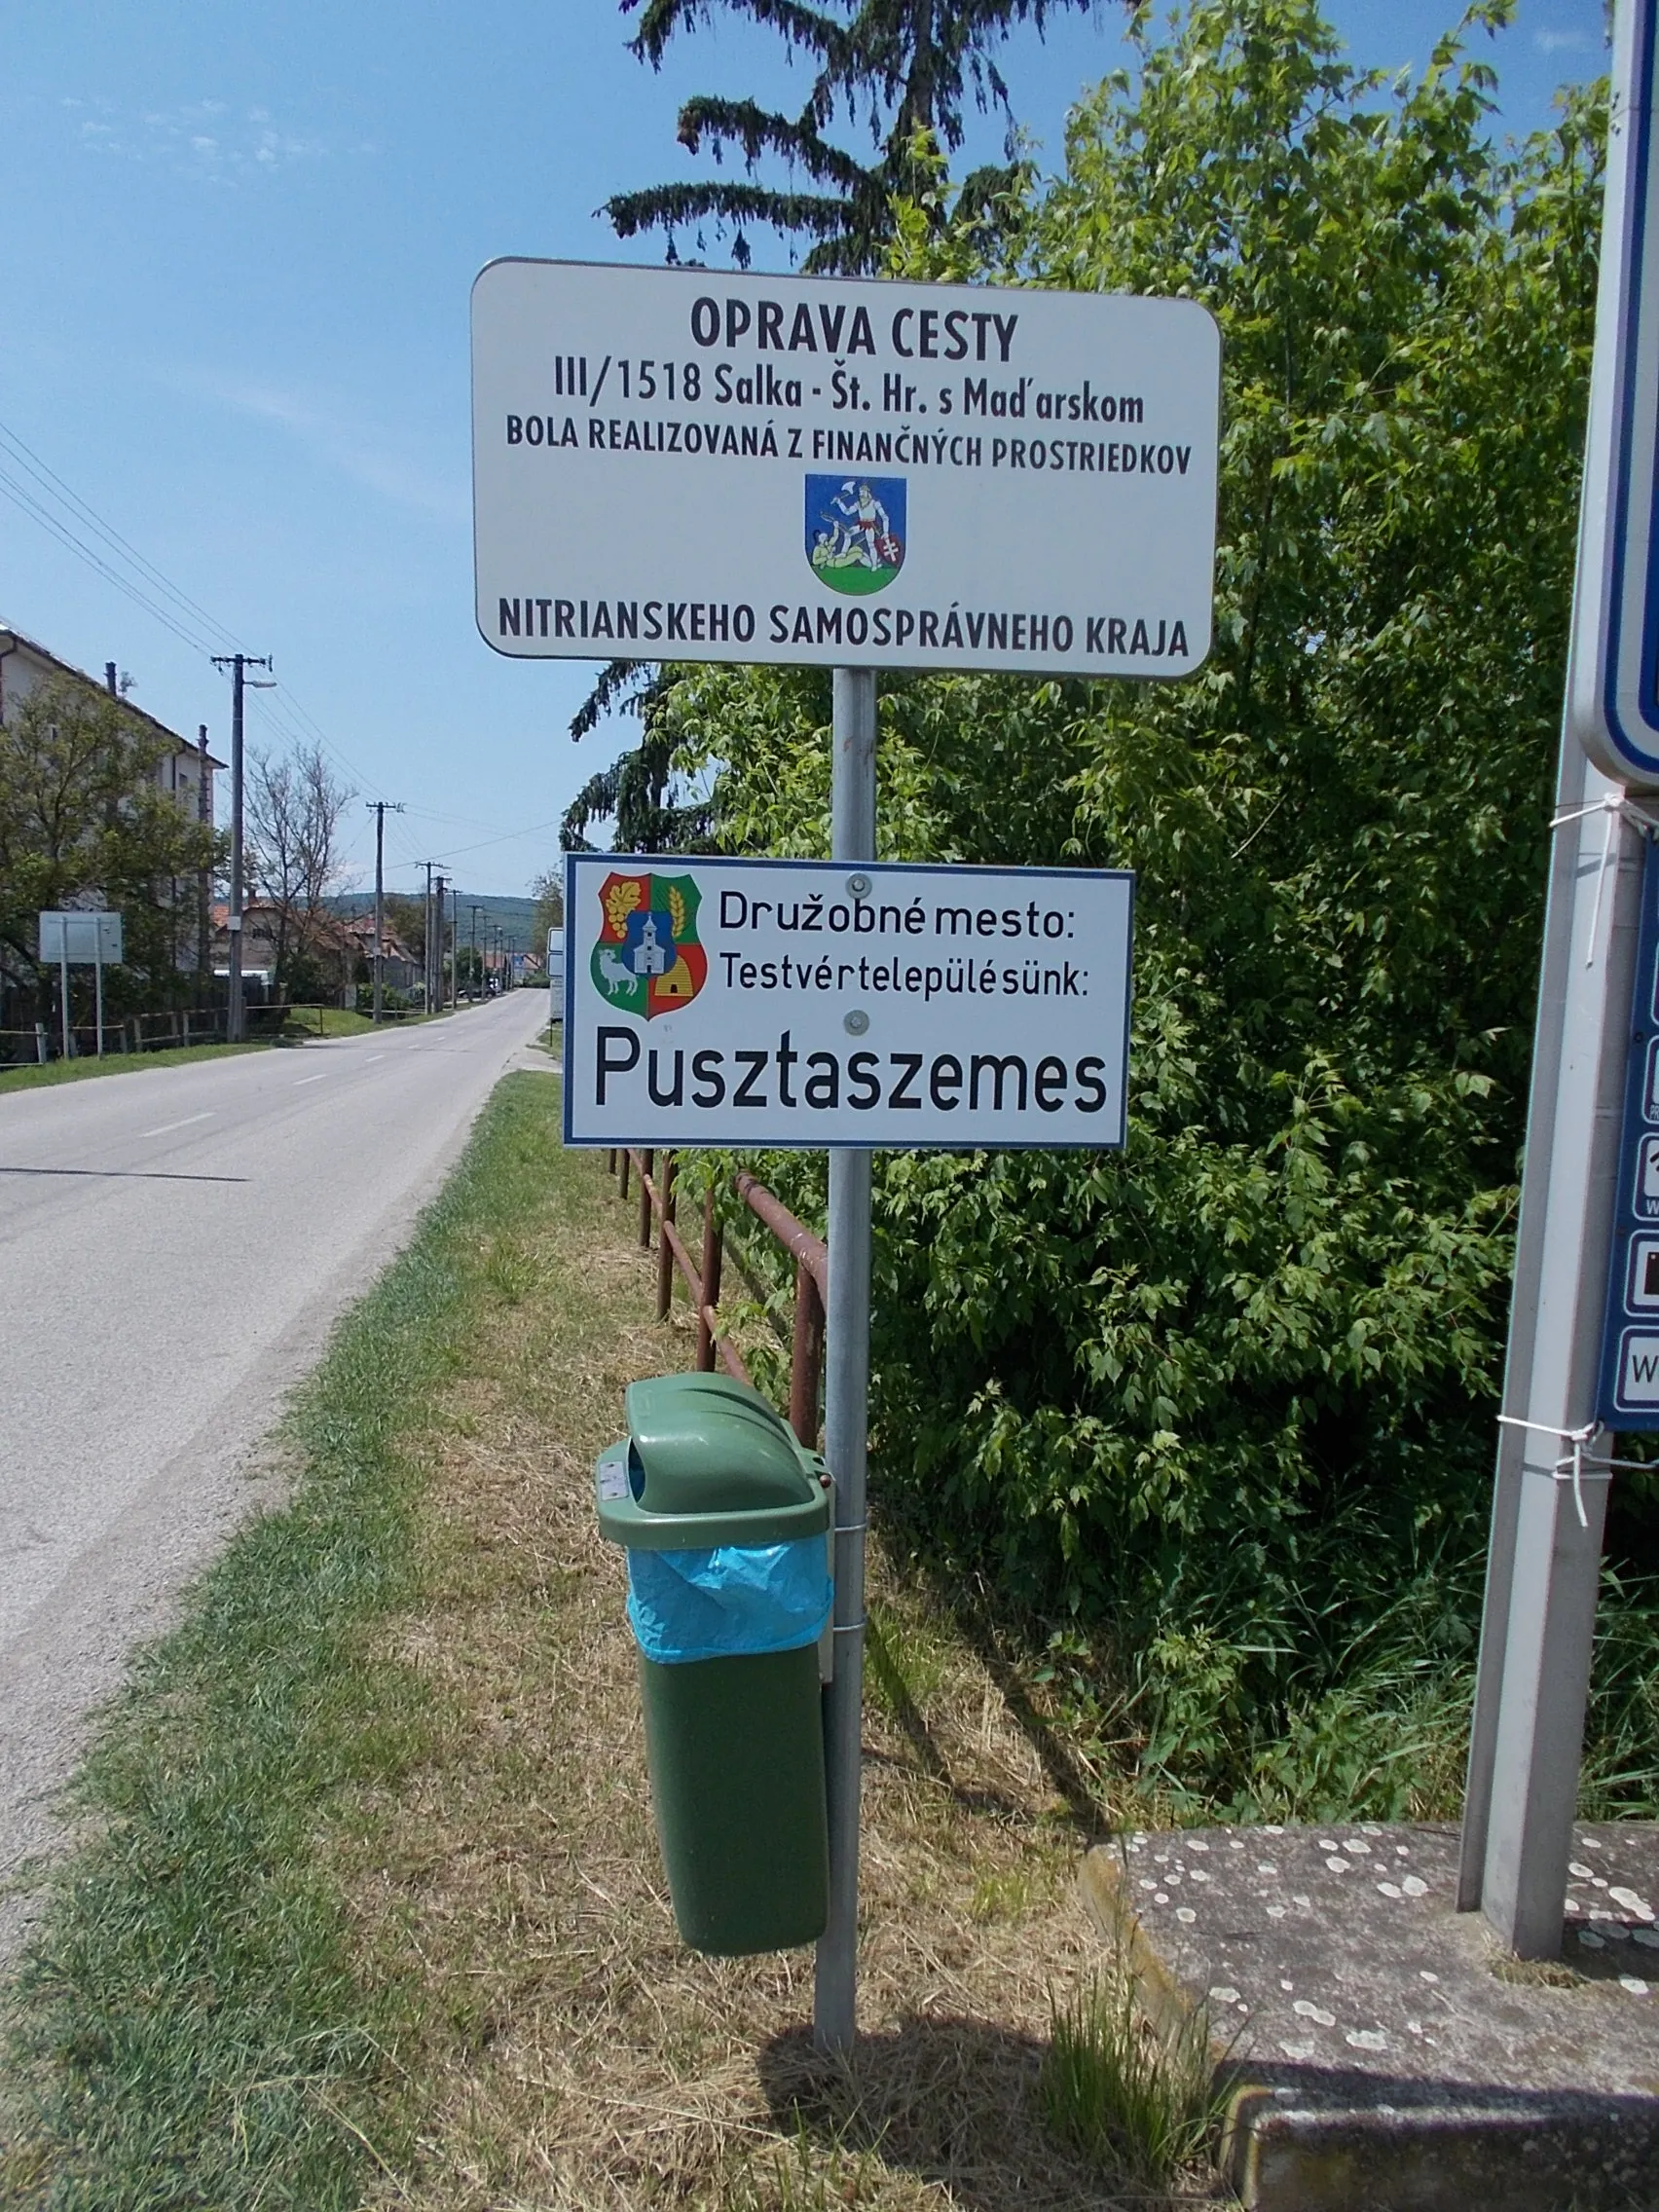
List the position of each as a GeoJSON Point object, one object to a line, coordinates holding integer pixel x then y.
{"type": "Point", "coordinates": [235, 1023]}
{"type": "Point", "coordinates": [477, 964]}
{"type": "Point", "coordinates": [1576, 1317]}
{"type": "Point", "coordinates": [205, 884]}
{"type": "Point", "coordinates": [382, 807]}
{"type": "Point", "coordinates": [435, 997]}
{"type": "Point", "coordinates": [427, 946]}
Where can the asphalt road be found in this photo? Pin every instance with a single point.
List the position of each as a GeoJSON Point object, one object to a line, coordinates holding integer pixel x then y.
{"type": "Point", "coordinates": [174, 1244]}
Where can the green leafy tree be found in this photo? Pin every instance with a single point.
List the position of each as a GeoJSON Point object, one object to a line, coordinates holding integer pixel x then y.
{"type": "Point", "coordinates": [82, 821]}
{"type": "Point", "coordinates": [548, 892]}
{"type": "Point", "coordinates": [406, 920]}
{"type": "Point", "coordinates": [1227, 1398]}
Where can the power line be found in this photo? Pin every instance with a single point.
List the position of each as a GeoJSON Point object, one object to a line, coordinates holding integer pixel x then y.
{"type": "Point", "coordinates": [53, 485]}
{"type": "Point", "coordinates": [534, 830]}
{"type": "Point", "coordinates": [462, 820]}
{"type": "Point", "coordinates": [285, 721]}
{"type": "Point", "coordinates": [186, 620]}
{"type": "Point", "coordinates": [56, 528]}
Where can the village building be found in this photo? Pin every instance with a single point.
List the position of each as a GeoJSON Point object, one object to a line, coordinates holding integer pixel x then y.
{"type": "Point", "coordinates": [339, 945]}
{"type": "Point", "coordinates": [185, 770]}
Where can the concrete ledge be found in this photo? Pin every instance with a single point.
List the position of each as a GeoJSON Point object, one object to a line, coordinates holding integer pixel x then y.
{"type": "Point", "coordinates": [1383, 2055]}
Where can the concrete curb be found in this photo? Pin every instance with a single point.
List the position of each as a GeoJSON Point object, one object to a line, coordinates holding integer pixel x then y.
{"type": "Point", "coordinates": [1539, 2094]}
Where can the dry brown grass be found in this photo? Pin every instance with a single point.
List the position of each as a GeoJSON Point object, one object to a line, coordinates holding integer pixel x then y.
{"type": "Point", "coordinates": [566, 2050]}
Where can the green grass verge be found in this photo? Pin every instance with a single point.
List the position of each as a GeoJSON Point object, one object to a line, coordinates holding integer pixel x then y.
{"type": "Point", "coordinates": [346, 1021]}
{"type": "Point", "coordinates": [329, 1021]}
{"type": "Point", "coordinates": [187, 2028]}
{"type": "Point", "coordinates": [118, 1063]}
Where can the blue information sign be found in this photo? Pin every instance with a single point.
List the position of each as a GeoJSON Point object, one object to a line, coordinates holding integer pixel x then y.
{"type": "Point", "coordinates": [1628, 1397]}
{"type": "Point", "coordinates": [1614, 679]}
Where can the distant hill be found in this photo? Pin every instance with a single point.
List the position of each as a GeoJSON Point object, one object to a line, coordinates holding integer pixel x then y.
{"type": "Point", "coordinates": [513, 917]}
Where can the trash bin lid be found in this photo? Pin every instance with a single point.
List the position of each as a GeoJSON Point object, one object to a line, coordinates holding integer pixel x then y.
{"type": "Point", "coordinates": [708, 1462]}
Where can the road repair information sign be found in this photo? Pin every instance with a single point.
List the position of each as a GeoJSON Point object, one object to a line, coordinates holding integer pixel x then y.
{"type": "Point", "coordinates": [806, 1003]}
{"type": "Point", "coordinates": [685, 465]}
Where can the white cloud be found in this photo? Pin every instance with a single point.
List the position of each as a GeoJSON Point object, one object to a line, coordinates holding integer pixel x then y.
{"type": "Point", "coordinates": [201, 140]}
{"type": "Point", "coordinates": [366, 457]}
{"type": "Point", "coordinates": [1563, 42]}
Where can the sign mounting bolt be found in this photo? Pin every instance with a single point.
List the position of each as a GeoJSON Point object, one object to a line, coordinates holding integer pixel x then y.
{"type": "Point", "coordinates": [859, 886]}
{"type": "Point", "coordinates": [857, 1022]}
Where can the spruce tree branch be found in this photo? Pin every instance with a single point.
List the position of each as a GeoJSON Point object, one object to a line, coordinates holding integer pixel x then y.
{"type": "Point", "coordinates": [666, 206]}
{"type": "Point", "coordinates": [758, 131]}
{"type": "Point", "coordinates": [614, 679]}
{"type": "Point", "coordinates": [805, 27]}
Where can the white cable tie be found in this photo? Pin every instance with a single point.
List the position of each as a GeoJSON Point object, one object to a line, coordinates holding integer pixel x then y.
{"type": "Point", "coordinates": [1572, 1468]}
{"type": "Point", "coordinates": [848, 1528]}
{"type": "Point", "coordinates": [851, 1628]}
{"type": "Point", "coordinates": [1549, 1428]}
{"type": "Point", "coordinates": [1620, 803]}
{"type": "Point", "coordinates": [1617, 806]}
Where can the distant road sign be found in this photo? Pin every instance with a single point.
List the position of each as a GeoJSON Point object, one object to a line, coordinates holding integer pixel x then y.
{"type": "Point", "coordinates": [806, 1003]}
{"type": "Point", "coordinates": [83, 939]}
{"type": "Point", "coordinates": [679, 465]}
{"type": "Point", "coordinates": [1613, 681]}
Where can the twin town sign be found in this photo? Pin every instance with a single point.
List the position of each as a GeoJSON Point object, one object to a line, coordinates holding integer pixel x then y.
{"type": "Point", "coordinates": [815, 1004]}
{"type": "Point", "coordinates": [677, 464]}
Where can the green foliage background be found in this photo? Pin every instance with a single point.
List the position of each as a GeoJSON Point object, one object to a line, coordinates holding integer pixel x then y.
{"type": "Point", "coordinates": [1222, 1405]}
{"type": "Point", "coordinates": [79, 814]}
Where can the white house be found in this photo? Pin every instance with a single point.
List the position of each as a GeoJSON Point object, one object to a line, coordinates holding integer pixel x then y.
{"type": "Point", "coordinates": [185, 770]}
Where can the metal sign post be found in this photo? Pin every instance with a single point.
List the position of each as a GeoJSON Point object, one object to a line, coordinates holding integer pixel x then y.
{"type": "Point", "coordinates": [1554, 1459]}
{"type": "Point", "coordinates": [1537, 1627]}
{"type": "Point", "coordinates": [85, 937]}
{"type": "Point", "coordinates": [846, 1413]}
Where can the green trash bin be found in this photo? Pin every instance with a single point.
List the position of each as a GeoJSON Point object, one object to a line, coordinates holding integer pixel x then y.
{"type": "Point", "coordinates": [724, 1518]}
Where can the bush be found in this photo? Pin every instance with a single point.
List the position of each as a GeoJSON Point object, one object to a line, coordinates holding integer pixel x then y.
{"type": "Point", "coordinates": [1225, 1400]}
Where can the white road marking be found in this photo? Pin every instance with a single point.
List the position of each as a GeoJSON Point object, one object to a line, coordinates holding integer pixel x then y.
{"type": "Point", "coordinates": [167, 1127]}
{"type": "Point", "coordinates": [304, 1078]}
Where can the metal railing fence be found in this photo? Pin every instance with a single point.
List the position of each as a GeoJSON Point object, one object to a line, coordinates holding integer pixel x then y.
{"type": "Point", "coordinates": [657, 1202]}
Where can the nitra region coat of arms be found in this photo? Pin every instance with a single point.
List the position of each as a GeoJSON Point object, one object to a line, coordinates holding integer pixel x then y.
{"type": "Point", "coordinates": [648, 959]}
{"type": "Point", "coordinates": [855, 530]}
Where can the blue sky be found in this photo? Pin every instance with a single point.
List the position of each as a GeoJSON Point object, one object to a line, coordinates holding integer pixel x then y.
{"type": "Point", "coordinates": [240, 241]}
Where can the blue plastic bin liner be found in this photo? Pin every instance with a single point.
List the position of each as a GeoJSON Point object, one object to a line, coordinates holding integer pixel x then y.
{"type": "Point", "coordinates": [730, 1601]}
